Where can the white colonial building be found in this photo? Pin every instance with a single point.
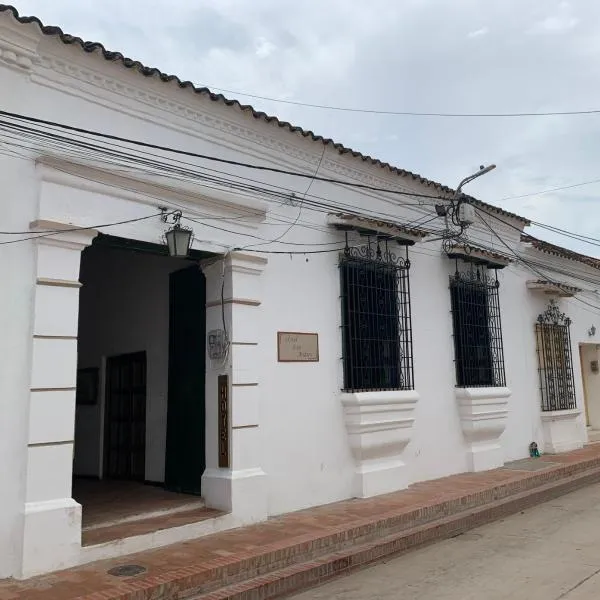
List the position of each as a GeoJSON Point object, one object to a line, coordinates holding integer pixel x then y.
{"type": "Point", "coordinates": [319, 342]}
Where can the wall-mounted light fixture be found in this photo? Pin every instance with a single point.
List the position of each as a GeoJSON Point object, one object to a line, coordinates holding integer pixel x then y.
{"type": "Point", "coordinates": [178, 238]}
{"type": "Point", "coordinates": [592, 331]}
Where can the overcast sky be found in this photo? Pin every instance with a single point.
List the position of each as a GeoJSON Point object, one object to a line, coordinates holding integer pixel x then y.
{"type": "Point", "coordinates": [405, 55]}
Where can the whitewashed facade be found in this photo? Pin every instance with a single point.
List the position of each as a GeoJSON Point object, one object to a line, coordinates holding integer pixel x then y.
{"type": "Point", "coordinates": [295, 440]}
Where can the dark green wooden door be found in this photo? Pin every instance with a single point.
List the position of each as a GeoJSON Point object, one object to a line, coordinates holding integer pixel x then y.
{"type": "Point", "coordinates": [185, 455]}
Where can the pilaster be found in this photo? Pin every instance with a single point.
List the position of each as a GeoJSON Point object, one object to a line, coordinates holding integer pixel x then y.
{"type": "Point", "coordinates": [234, 479]}
{"type": "Point", "coordinates": [52, 526]}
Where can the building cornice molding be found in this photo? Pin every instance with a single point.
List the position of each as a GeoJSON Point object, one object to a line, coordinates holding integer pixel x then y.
{"type": "Point", "coordinates": [17, 49]}
{"type": "Point", "coordinates": [92, 179]}
{"type": "Point", "coordinates": [67, 75]}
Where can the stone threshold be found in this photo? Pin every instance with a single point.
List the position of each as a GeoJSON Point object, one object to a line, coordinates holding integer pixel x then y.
{"type": "Point", "coordinates": [290, 553]}
{"type": "Point", "coordinates": [103, 533]}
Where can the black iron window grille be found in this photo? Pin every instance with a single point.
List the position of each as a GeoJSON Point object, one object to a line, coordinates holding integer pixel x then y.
{"type": "Point", "coordinates": [555, 360]}
{"type": "Point", "coordinates": [478, 351]}
{"type": "Point", "coordinates": [376, 319]}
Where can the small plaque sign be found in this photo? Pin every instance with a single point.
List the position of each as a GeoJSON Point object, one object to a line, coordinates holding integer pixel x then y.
{"type": "Point", "coordinates": [293, 346]}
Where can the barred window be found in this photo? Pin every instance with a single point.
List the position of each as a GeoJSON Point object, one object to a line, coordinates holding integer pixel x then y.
{"type": "Point", "coordinates": [555, 361]}
{"type": "Point", "coordinates": [376, 319]}
{"type": "Point", "coordinates": [478, 351]}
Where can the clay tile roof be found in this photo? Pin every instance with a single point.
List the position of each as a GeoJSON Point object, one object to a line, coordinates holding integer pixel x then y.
{"type": "Point", "coordinates": [476, 254]}
{"type": "Point", "coordinates": [135, 65]}
{"type": "Point", "coordinates": [346, 221]}
{"type": "Point", "coordinates": [554, 250]}
{"type": "Point", "coordinates": [562, 289]}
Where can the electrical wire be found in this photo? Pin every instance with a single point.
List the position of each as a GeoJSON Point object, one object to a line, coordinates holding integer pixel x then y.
{"type": "Point", "coordinates": [549, 190]}
{"type": "Point", "coordinates": [312, 203]}
{"type": "Point", "coordinates": [299, 209]}
{"type": "Point", "coordinates": [407, 113]}
{"type": "Point", "coordinates": [273, 193]}
{"type": "Point", "coordinates": [525, 262]}
{"type": "Point", "coordinates": [50, 232]}
{"type": "Point", "coordinates": [188, 153]}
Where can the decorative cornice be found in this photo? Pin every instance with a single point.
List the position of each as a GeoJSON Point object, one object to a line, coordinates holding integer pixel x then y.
{"type": "Point", "coordinates": [201, 121]}
{"type": "Point", "coordinates": [474, 254]}
{"type": "Point", "coordinates": [64, 235]}
{"type": "Point", "coordinates": [167, 107]}
{"type": "Point", "coordinates": [552, 288]}
{"type": "Point", "coordinates": [17, 50]}
{"type": "Point", "coordinates": [93, 179]}
{"type": "Point", "coordinates": [370, 226]}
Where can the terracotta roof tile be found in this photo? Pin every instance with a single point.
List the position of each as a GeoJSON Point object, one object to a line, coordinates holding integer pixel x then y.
{"type": "Point", "coordinates": [554, 250]}
{"type": "Point", "coordinates": [477, 254]}
{"type": "Point", "coordinates": [375, 226]}
{"type": "Point", "coordinates": [135, 65]}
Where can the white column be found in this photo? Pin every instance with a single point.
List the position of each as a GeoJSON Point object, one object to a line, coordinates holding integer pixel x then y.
{"type": "Point", "coordinates": [239, 487]}
{"type": "Point", "coordinates": [52, 525]}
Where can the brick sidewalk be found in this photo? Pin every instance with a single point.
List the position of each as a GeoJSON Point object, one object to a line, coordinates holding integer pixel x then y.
{"type": "Point", "coordinates": [175, 566]}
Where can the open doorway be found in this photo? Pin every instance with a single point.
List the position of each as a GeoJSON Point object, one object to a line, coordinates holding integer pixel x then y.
{"type": "Point", "coordinates": [140, 416]}
{"type": "Point", "coordinates": [590, 370]}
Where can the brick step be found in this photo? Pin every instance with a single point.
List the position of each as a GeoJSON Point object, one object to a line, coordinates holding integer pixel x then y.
{"type": "Point", "coordinates": [301, 549]}
{"type": "Point", "coordinates": [303, 575]}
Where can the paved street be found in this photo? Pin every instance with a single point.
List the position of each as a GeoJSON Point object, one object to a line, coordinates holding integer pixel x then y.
{"type": "Point", "coordinates": [547, 553]}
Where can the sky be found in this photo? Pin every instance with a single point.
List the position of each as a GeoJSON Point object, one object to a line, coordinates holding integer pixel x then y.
{"type": "Point", "coordinates": [462, 56]}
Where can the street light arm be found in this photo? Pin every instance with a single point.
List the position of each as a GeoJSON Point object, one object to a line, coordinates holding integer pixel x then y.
{"type": "Point", "coordinates": [470, 178]}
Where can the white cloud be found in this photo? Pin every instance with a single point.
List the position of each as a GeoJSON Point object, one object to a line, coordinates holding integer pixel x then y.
{"type": "Point", "coordinates": [478, 32]}
{"type": "Point", "coordinates": [264, 48]}
{"type": "Point", "coordinates": [560, 21]}
{"type": "Point", "coordinates": [554, 25]}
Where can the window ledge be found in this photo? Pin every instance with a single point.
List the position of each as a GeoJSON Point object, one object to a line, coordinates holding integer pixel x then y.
{"type": "Point", "coordinates": [482, 393]}
{"type": "Point", "coordinates": [387, 397]}
{"type": "Point", "coordinates": [370, 412]}
{"type": "Point", "coordinates": [557, 415]}
{"type": "Point", "coordinates": [379, 426]}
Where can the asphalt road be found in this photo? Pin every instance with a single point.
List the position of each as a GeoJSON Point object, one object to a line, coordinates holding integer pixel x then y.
{"type": "Point", "coordinates": [551, 552]}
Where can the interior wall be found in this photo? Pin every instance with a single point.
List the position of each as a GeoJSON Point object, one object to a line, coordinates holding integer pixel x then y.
{"type": "Point", "coordinates": [124, 308]}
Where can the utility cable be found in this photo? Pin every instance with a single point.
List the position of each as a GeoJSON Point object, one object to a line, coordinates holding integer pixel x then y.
{"type": "Point", "coordinates": [299, 209]}
{"type": "Point", "coordinates": [401, 113]}
{"type": "Point", "coordinates": [50, 232]}
{"type": "Point", "coordinates": [230, 162]}
{"type": "Point", "coordinates": [525, 262]}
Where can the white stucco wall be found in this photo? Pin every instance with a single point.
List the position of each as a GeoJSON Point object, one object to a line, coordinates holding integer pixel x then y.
{"type": "Point", "coordinates": [124, 308]}
{"type": "Point", "coordinates": [302, 444]}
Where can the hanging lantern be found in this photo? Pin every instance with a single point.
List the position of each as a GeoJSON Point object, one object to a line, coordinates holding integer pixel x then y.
{"type": "Point", "coordinates": [178, 238]}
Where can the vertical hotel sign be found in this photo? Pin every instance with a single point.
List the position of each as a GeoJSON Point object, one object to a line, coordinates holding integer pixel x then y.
{"type": "Point", "coordinates": [223, 391]}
